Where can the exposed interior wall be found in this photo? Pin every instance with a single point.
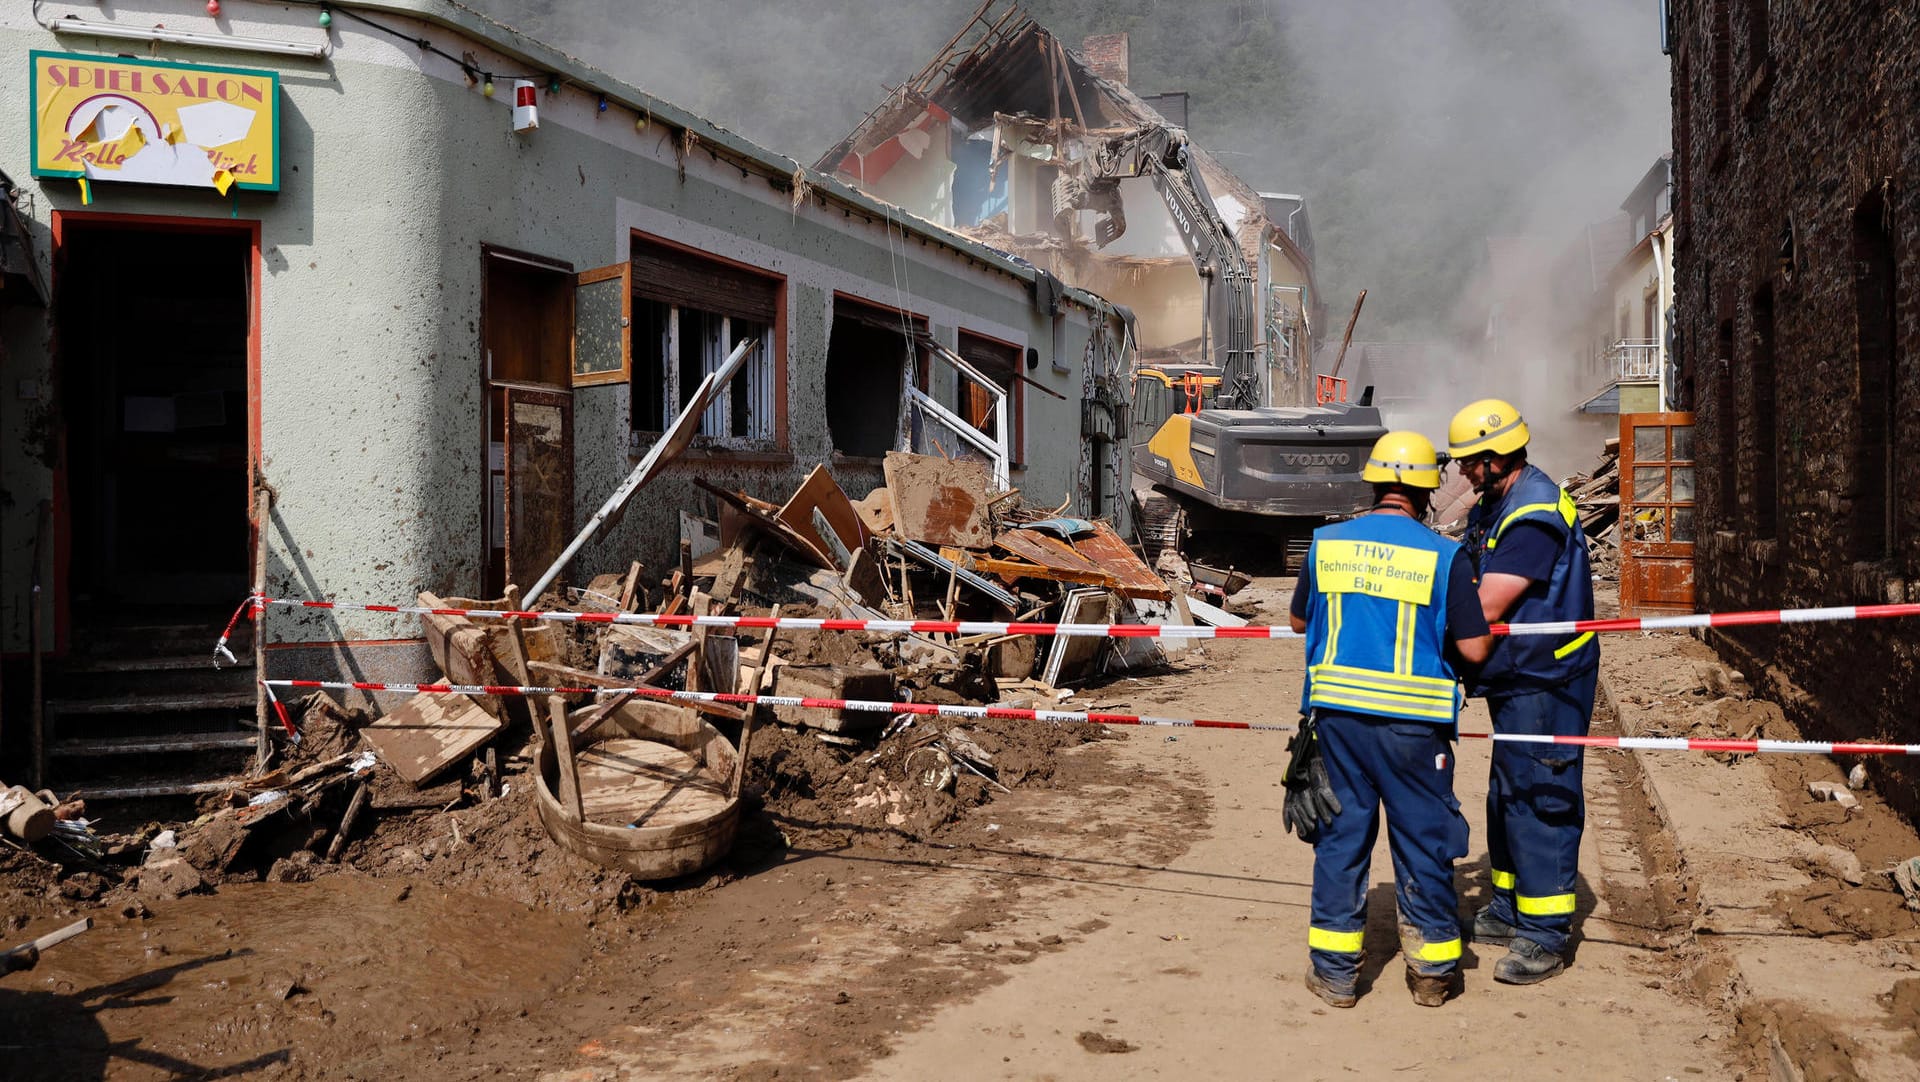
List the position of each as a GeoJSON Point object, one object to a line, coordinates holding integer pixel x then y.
{"type": "Point", "coordinates": [1166, 298]}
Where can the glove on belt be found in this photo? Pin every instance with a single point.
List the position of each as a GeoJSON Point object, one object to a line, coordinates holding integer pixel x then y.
{"type": "Point", "coordinates": [1310, 803]}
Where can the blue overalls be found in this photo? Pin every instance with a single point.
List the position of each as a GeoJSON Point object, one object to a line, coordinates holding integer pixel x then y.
{"type": "Point", "coordinates": [1536, 807]}
{"type": "Point", "coordinates": [1385, 701]}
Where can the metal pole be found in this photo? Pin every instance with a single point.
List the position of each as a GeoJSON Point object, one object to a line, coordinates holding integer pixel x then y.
{"type": "Point", "coordinates": [678, 435]}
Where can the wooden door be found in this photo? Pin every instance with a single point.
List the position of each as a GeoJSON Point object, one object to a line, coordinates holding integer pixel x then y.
{"type": "Point", "coordinates": [538, 492]}
{"type": "Point", "coordinates": [1657, 522]}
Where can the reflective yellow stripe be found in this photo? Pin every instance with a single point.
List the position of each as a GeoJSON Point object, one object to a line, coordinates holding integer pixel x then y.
{"type": "Point", "coordinates": [1439, 952]}
{"type": "Point", "coordinates": [1502, 880]}
{"type": "Point", "coordinates": [1333, 627]}
{"type": "Point", "coordinates": [1550, 905]}
{"type": "Point", "coordinates": [1403, 640]}
{"type": "Point", "coordinates": [1408, 682]}
{"type": "Point", "coordinates": [1564, 506]}
{"type": "Point", "coordinates": [1321, 939]}
{"type": "Point", "coordinates": [1376, 703]}
{"type": "Point", "coordinates": [1569, 648]}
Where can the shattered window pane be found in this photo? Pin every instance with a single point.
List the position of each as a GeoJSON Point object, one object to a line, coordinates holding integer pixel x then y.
{"type": "Point", "coordinates": [1683, 524]}
{"type": "Point", "coordinates": [1649, 484]}
{"type": "Point", "coordinates": [1683, 484]}
{"type": "Point", "coordinates": [1683, 443]}
{"type": "Point", "coordinates": [1650, 443]}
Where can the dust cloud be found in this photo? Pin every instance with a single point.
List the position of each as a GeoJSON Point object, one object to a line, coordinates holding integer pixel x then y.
{"type": "Point", "coordinates": [1417, 130]}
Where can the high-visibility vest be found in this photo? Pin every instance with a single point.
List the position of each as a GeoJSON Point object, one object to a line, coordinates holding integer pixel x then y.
{"type": "Point", "coordinates": [1527, 662]}
{"type": "Point", "coordinates": [1377, 620]}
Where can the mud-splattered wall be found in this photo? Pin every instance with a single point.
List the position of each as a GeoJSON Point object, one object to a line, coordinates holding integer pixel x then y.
{"type": "Point", "coordinates": [396, 173]}
{"type": "Point", "coordinates": [1798, 262]}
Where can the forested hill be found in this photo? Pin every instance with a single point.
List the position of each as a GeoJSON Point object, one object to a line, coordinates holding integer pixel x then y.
{"type": "Point", "coordinates": [1413, 127]}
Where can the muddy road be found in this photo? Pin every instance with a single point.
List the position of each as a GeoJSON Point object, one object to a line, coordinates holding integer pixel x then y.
{"type": "Point", "coordinates": [1132, 907]}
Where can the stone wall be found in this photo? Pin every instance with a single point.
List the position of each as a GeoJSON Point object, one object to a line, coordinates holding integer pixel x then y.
{"type": "Point", "coordinates": [1798, 266]}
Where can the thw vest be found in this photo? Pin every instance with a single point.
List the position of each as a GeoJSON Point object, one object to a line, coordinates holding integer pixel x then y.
{"type": "Point", "coordinates": [1528, 662]}
{"type": "Point", "coordinates": [1377, 620]}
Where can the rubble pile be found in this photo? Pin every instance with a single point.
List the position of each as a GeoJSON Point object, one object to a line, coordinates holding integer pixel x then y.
{"type": "Point", "coordinates": [1597, 495]}
{"type": "Point", "coordinates": [450, 785]}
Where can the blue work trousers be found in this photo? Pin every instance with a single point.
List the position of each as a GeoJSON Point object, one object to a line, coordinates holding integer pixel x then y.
{"type": "Point", "coordinates": [1536, 809]}
{"type": "Point", "coordinates": [1408, 767]}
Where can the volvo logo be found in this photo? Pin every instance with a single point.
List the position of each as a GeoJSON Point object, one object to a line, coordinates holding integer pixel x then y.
{"type": "Point", "coordinates": [1320, 459]}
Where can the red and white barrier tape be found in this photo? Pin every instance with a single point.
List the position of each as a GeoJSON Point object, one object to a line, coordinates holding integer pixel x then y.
{"type": "Point", "coordinates": [1645, 743]}
{"type": "Point", "coordinates": [865, 705]}
{"type": "Point", "coordinates": [1111, 631]}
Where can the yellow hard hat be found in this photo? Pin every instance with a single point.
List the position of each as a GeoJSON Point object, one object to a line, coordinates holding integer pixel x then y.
{"type": "Point", "coordinates": [1405, 457]}
{"type": "Point", "coordinates": [1490, 424]}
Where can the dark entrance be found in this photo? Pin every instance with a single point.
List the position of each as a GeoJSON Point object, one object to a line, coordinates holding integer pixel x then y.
{"type": "Point", "coordinates": [154, 328]}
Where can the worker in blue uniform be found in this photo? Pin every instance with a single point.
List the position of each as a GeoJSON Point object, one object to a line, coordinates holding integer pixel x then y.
{"type": "Point", "coordinates": [1381, 599]}
{"type": "Point", "coordinates": [1530, 557]}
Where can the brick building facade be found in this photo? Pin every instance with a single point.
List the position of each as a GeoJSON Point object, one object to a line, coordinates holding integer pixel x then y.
{"type": "Point", "coordinates": [1797, 152]}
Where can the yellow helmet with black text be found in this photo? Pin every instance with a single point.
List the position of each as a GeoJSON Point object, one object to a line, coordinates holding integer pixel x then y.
{"type": "Point", "coordinates": [1491, 424]}
{"type": "Point", "coordinates": [1403, 457]}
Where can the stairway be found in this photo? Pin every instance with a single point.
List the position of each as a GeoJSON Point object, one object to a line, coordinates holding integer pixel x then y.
{"type": "Point", "coordinates": [139, 710]}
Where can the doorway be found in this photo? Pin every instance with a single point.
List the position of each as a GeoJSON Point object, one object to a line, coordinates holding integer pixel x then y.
{"type": "Point", "coordinates": [527, 333]}
{"type": "Point", "coordinates": [155, 331]}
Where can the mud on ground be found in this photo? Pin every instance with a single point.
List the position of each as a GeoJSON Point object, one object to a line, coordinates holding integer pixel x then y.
{"type": "Point", "coordinates": [463, 942]}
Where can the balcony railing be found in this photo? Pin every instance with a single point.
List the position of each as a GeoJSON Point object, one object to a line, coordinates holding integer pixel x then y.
{"type": "Point", "coordinates": [1632, 360]}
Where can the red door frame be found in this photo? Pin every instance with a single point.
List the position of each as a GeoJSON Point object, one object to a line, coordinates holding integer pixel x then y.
{"type": "Point", "coordinates": [64, 220]}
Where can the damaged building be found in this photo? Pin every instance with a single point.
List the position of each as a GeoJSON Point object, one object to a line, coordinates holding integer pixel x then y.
{"type": "Point", "coordinates": [1012, 138]}
{"type": "Point", "coordinates": [359, 301]}
{"type": "Point", "coordinates": [1797, 218]}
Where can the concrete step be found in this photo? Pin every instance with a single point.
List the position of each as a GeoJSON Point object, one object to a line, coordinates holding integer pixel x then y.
{"type": "Point", "coordinates": [165, 703]}
{"type": "Point", "coordinates": [163, 744]}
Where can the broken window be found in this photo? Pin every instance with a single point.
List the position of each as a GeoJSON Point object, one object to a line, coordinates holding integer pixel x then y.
{"type": "Point", "coordinates": [999, 362]}
{"type": "Point", "coordinates": [689, 312]}
{"type": "Point", "coordinates": [870, 352]}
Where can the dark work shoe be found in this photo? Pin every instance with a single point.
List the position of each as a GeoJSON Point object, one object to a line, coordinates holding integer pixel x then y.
{"type": "Point", "coordinates": [1527, 962]}
{"type": "Point", "coordinates": [1428, 990]}
{"type": "Point", "coordinates": [1491, 930]}
{"type": "Point", "coordinates": [1337, 997]}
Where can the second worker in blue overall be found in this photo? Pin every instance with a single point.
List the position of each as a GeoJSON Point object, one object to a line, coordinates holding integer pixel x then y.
{"type": "Point", "coordinates": [1380, 599]}
{"type": "Point", "coordinates": [1530, 556]}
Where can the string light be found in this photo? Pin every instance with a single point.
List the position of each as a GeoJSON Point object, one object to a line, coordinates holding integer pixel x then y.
{"type": "Point", "coordinates": [603, 103]}
{"type": "Point", "coordinates": [213, 8]}
{"type": "Point", "coordinates": [326, 18]}
{"type": "Point", "coordinates": [487, 87]}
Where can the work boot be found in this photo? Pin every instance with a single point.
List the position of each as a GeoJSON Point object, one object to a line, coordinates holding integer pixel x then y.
{"type": "Point", "coordinates": [1429, 990]}
{"type": "Point", "coordinates": [1527, 962]}
{"type": "Point", "coordinates": [1325, 989]}
{"type": "Point", "coordinates": [1491, 930]}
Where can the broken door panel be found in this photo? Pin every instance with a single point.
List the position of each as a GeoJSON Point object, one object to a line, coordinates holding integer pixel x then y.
{"type": "Point", "coordinates": [1657, 523]}
{"type": "Point", "coordinates": [539, 479]}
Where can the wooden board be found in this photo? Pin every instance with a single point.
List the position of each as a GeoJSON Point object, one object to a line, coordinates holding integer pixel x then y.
{"type": "Point", "coordinates": [1050, 553]}
{"type": "Point", "coordinates": [755, 512]}
{"type": "Point", "coordinates": [819, 492]}
{"type": "Point", "coordinates": [876, 511]}
{"type": "Point", "coordinates": [637, 782]}
{"type": "Point", "coordinates": [939, 502]}
{"type": "Point", "coordinates": [1111, 554]}
{"type": "Point", "coordinates": [429, 733]}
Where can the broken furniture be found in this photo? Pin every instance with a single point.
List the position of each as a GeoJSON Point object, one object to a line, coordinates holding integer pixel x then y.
{"type": "Point", "coordinates": [649, 789]}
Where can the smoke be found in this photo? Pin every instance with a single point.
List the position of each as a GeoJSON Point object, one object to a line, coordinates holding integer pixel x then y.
{"type": "Point", "coordinates": [1416, 129]}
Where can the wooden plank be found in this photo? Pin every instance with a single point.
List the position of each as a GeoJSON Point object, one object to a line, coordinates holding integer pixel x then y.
{"type": "Point", "coordinates": [939, 502]}
{"type": "Point", "coordinates": [1110, 553]}
{"type": "Point", "coordinates": [429, 733]}
{"type": "Point", "coordinates": [1213, 614]}
{"type": "Point", "coordinates": [754, 511]}
{"type": "Point", "coordinates": [1050, 552]}
{"type": "Point", "coordinates": [820, 492]}
{"type": "Point", "coordinates": [876, 511]}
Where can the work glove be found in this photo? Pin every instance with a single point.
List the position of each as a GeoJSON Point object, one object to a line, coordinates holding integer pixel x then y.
{"type": "Point", "coordinates": [1310, 803]}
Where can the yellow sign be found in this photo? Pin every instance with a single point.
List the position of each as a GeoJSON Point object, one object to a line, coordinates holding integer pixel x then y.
{"type": "Point", "coordinates": [153, 122]}
{"type": "Point", "coordinates": [1394, 572]}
